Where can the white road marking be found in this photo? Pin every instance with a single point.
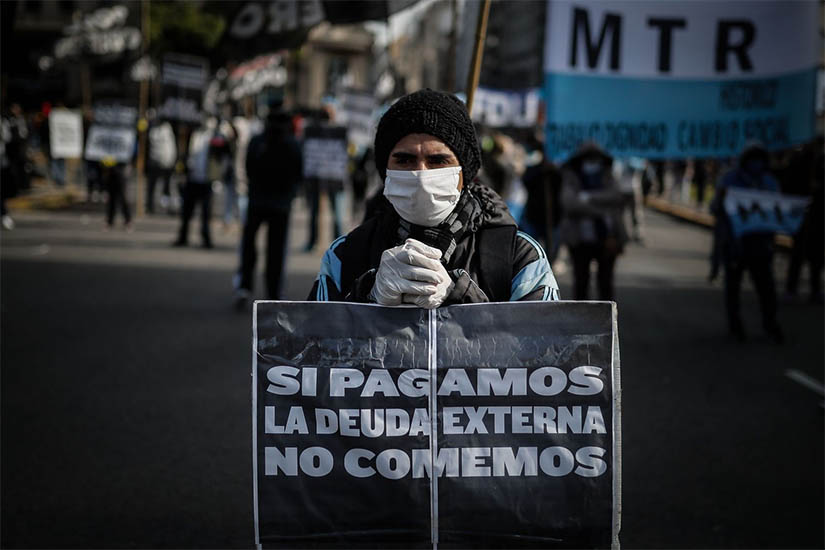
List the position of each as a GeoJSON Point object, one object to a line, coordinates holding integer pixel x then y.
{"type": "Point", "coordinates": [805, 380]}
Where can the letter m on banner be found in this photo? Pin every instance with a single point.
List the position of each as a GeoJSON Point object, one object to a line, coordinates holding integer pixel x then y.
{"type": "Point", "coordinates": [480, 425]}
{"type": "Point", "coordinates": [612, 24]}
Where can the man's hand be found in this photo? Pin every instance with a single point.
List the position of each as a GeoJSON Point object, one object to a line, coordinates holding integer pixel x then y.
{"type": "Point", "coordinates": [442, 290]}
{"type": "Point", "coordinates": [407, 272]}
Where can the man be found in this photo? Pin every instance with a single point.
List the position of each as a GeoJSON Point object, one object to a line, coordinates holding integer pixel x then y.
{"type": "Point", "coordinates": [592, 225]}
{"type": "Point", "coordinates": [440, 238]}
{"type": "Point", "coordinates": [198, 188]}
{"type": "Point", "coordinates": [752, 251]}
{"type": "Point", "coordinates": [163, 153]}
{"type": "Point", "coordinates": [273, 166]}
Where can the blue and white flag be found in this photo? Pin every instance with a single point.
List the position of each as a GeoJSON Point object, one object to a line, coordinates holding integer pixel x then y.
{"type": "Point", "coordinates": [679, 79]}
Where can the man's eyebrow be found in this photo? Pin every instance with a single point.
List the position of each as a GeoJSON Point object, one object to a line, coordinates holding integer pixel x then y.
{"type": "Point", "coordinates": [440, 156]}
{"type": "Point", "coordinates": [402, 154]}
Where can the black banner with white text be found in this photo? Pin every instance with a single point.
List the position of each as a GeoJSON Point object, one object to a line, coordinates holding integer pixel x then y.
{"type": "Point", "coordinates": [484, 425]}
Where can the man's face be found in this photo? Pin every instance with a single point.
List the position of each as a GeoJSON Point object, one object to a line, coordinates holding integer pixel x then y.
{"type": "Point", "coordinates": [422, 152]}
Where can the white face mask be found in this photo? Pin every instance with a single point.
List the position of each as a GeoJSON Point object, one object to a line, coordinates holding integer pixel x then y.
{"type": "Point", "coordinates": [591, 167]}
{"type": "Point", "coordinates": [423, 197]}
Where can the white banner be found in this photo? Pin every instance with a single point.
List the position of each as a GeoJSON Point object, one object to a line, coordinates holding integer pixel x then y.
{"type": "Point", "coordinates": [506, 108]}
{"type": "Point", "coordinates": [65, 134]}
{"type": "Point", "coordinates": [698, 39]}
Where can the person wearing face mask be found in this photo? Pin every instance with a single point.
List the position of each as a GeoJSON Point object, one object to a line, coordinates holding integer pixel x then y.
{"type": "Point", "coordinates": [437, 236]}
{"type": "Point", "coordinates": [592, 225]}
{"type": "Point", "coordinates": [752, 252]}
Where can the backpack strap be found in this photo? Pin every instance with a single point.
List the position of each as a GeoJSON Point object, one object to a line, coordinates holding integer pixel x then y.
{"type": "Point", "coordinates": [495, 252]}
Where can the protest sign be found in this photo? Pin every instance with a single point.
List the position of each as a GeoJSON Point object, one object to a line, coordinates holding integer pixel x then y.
{"type": "Point", "coordinates": [269, 25]}
{"type": "Point", "coordinates": [506, 108]}
{"type": "Point", "coordinates": [325, 155]}
{"type": "Point", "coordinates": [110, 141]}
{"type": "Point", "coordinates": [183, 79]}
{"type": "Point", "coordinates": [752, 211]}
{"type": "Point", "coordinates": [357, 111]}
{"type": "Point", "coordinates": [482, 425]}
{"type": "Point", "coordinates": [115, 114]}
{"type": "Point", "coordinates": [679, 79]}
{"type": "Point", "coordinates": [65, 134]}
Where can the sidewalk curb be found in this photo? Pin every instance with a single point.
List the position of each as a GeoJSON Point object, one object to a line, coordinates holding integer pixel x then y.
{"type": "Point", "coordinates": [54, 199]}
{"type": "Point", "coordinates": [698, 217]}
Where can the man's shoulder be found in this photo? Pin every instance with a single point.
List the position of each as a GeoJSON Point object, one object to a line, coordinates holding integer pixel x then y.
{"type": "Point", "coordinates": [360, 238]}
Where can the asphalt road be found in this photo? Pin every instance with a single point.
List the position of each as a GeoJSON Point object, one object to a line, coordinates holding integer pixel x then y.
{"type": "Point", "coordinates": [125, 385]}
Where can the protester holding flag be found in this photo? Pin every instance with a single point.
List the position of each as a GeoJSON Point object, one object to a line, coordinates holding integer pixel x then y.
{"type": "Point", "coordinates": [592, 225]}
{"type": "Point", "coordinates": [438, 237]}
{"type": "Point", "coordinates": [751, 251]}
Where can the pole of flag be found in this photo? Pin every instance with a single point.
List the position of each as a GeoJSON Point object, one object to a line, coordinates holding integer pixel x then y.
{"type": "Point", "coordinates": [478, 53]}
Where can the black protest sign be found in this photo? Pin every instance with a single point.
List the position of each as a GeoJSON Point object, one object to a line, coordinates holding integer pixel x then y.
{"type": "Point", "coordinates": [325, 155]}
{"type": "Point", "coordinates": [183, 79]}
{"type": "Point", "coordinates": [269, 25]}
{"type": "Point", "coordinates": [485, 425]}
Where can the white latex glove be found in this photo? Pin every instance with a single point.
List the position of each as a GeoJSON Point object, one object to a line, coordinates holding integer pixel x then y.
{"type": "Point", "coordinates": [409, 269]}
{"type": "Point", "coordinates": [442, 290]}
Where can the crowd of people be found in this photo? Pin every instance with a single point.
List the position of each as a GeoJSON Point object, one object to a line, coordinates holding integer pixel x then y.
{"type": "Point", "coordinates": [588, 205]}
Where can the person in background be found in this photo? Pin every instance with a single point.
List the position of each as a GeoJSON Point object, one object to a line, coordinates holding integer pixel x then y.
{"type": "Point", "coordinates": [57, 166]}
{"type": "Point", "coordinates": [247, 126]}
{"type": "Point", "coordinates": [804, 177]}
{"type": "Point", "coordinates": [700, 180]}
{"type": "Point", "coordinates": [439, 237]}
{"type": "Point", "coordinates": [752, 252]}
{"type": "Point", "coordinates": [222, 147]}
{"type": "Point", "coordinates": [542, 212]}
{"type": "Point", "coordinates": [198, 187]}
{"type": "Point", "coordinates": [163, 153]}
{"type": "Point", "coordinates": [592, 225]}
{"type": "Point", "coordinates": [274, 166]}
{"type": "Point", "coordinates": [15, 133]}
{"type": "Point", "coordinates": [17, 146]}
{"type": "Point", "coordinates": [334, 191]}
{"type": "Point", "coordinates": [114, 182]}
{"type": "Point", "coordinates": [8, 185]}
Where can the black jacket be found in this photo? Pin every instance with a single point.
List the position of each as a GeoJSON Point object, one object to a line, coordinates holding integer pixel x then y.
{"type": "Point", "coordinates": [494, 263]}
{"type": "Point", "coordinates": [271, 190]}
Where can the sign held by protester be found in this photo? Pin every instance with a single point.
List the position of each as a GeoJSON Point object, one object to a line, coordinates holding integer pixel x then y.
{"type": "Point", "coordinates": [65, 134]}
{"type": "Point", "coordinates": [679, 79]}
{"type": "Point", "coordinates": [506, 108]}
{"type": "Point", "coordinates": [325, 154]}
{"type": "Point", "coordinates": [753, 211]}
{"type": "Point", "coordinates": [115, 142]}
{"type": "Point", "coordinates": [183, 80]}
{"type": "Point", "coordinates": [357, 112]}
{"type": "Point", "coordinates": [451, 419]}
{"type": "Point", "coordinates": [115, 114]}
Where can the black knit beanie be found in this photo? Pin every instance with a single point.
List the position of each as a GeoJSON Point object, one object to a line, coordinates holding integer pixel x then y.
{"type": "Point", "coordinates": [429, 112]}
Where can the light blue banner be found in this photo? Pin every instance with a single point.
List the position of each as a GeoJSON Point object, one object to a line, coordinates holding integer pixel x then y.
{"type": "Point", "coordinates": [676, 118]}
